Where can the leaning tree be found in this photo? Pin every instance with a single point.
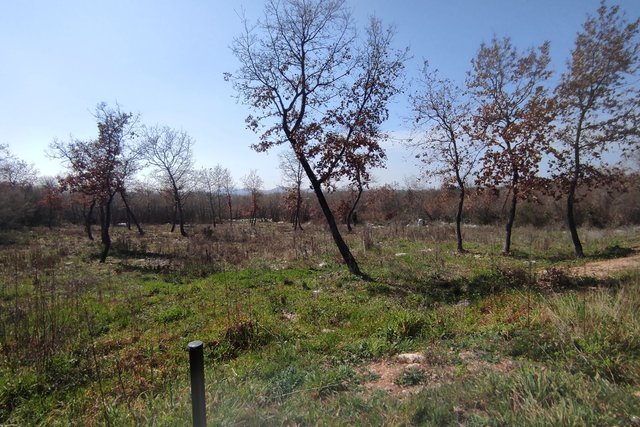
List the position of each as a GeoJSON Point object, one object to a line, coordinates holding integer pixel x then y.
{"type": "Point", "coordinates": [599, 106]}
{"type": "Point", "coordinates": [315, 86]}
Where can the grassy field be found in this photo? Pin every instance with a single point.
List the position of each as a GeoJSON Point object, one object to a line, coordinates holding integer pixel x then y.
{"type": "Point", "coordinates": [291, 338]}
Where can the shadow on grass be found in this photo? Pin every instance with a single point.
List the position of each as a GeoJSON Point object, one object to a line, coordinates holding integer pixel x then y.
{"type": "Point", "coordinates": [451, 291]}
{"type": "Point", "coordinates": [525, 256]}
{"type": "Point", "coordinates": [612, 252]}
{"type": "Point", "coordinates": [134, 253]}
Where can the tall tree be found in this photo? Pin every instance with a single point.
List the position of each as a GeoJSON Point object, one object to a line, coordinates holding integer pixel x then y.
{"type": "Point", "coordinates": [599, 106]}
{"type": "Point", "coordinates": [317, 89]}
{"type": "Point", "coordinates": [441, 113]}
{"type": "Point", "coordinates": [513, 118]}
{"type": "Point", "coordinates": [99, 168]}
{"type": "Point", "coordinates": [170, 152]}
{"type": "Point", "coordinates": [253, 184]}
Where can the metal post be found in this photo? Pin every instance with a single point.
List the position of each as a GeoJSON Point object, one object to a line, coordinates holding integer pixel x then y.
{"type": "Point", "coordinates": [196, 366]}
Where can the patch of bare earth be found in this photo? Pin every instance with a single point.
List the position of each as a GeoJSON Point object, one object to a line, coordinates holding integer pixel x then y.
{"type": "Point", "coordinates": [606, 268]}
{"type": "Point", "coordinates": [385, 373]}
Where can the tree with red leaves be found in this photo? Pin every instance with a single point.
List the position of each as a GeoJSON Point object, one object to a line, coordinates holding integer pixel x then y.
{"type": "Point", "coordinates": [99, 168]}
{"type": "Point", "coordinates": [301, 69]}
{"type": "Point", "coordinates": [513, 119]}
{"type": "Point", "coordinates": [599, 107]}
{"type": "Point", "coordinates": [51, 199]}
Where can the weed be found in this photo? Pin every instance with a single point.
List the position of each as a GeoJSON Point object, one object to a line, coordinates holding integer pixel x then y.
{"type": "Point", "coordinates": [285, 382]}
{"type": "Point", "coordinates": [173, 314]}
{"type": "Point", "coordinates": [238, 337]}
{"type": "Point", "coordinates": [405, 326]}
{"type": "Point", "coordinates": [411, 376]}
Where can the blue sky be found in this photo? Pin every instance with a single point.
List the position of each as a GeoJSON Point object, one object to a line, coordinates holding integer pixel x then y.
{"type": "Point", "coordinates": [166, 59]}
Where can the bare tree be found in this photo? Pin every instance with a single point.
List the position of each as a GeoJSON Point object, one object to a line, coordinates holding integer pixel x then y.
{"type": "Point", "coordinates": [442, 115]}
{"type": "Point", "coordinates": [226, 185]}
{"type": "Point", "coordinates": [15, 171]}
{"type": "Point", "coordinates": [313, 88]}
{"type": "Point", "coordinates": [207, 179]}
{"type": "Point", "coordinates": [513, 118]}
{"type": "Point", "coordinates": [213, 182]}
{"type": "Point", "coordinates": [356, 187]}
{"type": "Point", "coordinates": [99, 168]}
{"type": "Point", "coordinates": [169, 151]}
{"type": "Point", "coordinates": [17, 197]}
{"type": "Point", "coordinates": [292, 177]}
{"type": "Point", "coordinates": [253, 184]}
{"type": "Point", "coordinates": [599, 105]}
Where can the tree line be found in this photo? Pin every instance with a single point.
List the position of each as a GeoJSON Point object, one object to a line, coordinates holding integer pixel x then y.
{"type": "Point", "coordinates": [41, 204]}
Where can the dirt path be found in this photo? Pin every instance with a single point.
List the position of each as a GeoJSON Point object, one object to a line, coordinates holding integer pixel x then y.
{"type": "Point", "coordinates": [606, 268]}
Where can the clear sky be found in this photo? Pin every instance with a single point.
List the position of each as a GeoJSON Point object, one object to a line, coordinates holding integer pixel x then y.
{"type": "Point", "coordinates": [165, 60]}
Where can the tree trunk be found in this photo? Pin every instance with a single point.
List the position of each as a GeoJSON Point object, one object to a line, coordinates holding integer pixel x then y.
{"type": "Point", "coordinates": [230, 210]}
{"type": "Point", "coordinates": [571, 194]}
{"type": "Point", "coordinates": [105, 222]}
{"type": "Point", "coordinates": [219, 208]}
{"type": "Point", "coordinates": [174, 218]}
{"type": "Point", "coordinates": [506, 249]}
{"type": "Point", "coordinates": [213, 213]}
{"type": "Point", "coordinates": [459, 221]}
{"type": "Point", "coordinates": [347, 256]}
{"type": "Point", "coordinates": [180, 216]}
{"type": "Point", "coordinates": [296, 218]}
{"type": "Point", "coordinates": [87, 220]}
{"type": "Point", "coordinates": [130, 214]}
{"type": "Point", "coordinates": [571, 221]}
{"type": "Point", "coordinates": [127, 219]}
{"type": "Point", "coordinates": [254, 210]}
{"type": "Point", "coordinates": [353, 209]}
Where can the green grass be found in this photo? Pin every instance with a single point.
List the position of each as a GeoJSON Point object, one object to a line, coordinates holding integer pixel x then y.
{"type": "Point", "coordinates": [290, 340]}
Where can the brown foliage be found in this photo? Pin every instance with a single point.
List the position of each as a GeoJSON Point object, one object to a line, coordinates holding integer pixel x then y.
{"type": "Point", "coordinates": [99, 168]}
{"type": "Point", "coordinates": [513, 119]}
{"type": "Point", "coordinates": [599, 104]}
{"type": "Point", "coordinates": [314, 88]}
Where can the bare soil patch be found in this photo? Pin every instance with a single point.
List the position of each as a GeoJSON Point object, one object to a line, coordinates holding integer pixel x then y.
{"type": "Point", "coordinates": [385, 373]}
{"type": "Point", "coordinates": [606, 268]}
